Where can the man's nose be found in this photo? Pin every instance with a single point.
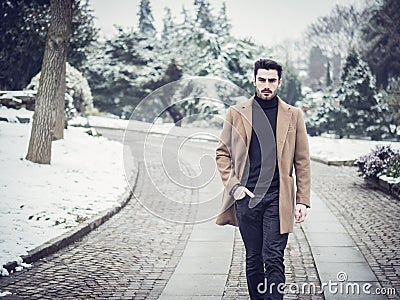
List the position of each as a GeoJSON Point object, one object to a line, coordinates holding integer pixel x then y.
{"type": "Point", "coordinates": [270, 85]}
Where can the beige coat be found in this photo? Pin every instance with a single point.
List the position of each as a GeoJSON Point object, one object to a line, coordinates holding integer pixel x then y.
{"type": "Point", "coordinates": [292, 151]}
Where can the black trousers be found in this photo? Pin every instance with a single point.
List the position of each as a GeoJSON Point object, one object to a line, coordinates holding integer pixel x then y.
{"type": "Point", "coordinates": [265, 246]}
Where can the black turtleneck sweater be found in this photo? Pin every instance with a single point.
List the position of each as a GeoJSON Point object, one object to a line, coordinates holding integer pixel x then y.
{"type": "Point", "coordinates": [270, 109]}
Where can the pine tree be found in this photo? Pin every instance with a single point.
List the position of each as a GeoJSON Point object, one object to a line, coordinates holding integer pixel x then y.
{"type": "Point", "coordinates": [291, 86]}
{"type": "Point", "coordinates": [223, 25]}
{"type": "Point", "coordinates": [325, 116]}
{"type": "Point", "coordinates": [83, 34]}
{"type": "Point", "coordinates": [390, 110]}
{"type": "Point", "coordinates": [133, 64]}
{"type": "Point", "coordinates": [24, 26]}
{"type": "Point", "coordinates": [316, 68]}
{"type": "Point", "coordinates": [121, 69]}
{"type": "Point", "coordinates": [146, 18]}
{"type": "Point", "coordinates": [168, 24]}
{"type": "Point", "coordinates": [358, 98]}
{"type": "Point", "coordinates": [187, 19]}
{"type": "Point", "coordinates": [204, 15]}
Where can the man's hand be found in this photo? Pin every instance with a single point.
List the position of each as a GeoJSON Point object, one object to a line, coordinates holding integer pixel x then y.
{"type": "Point", "coordinates": [241, 192]}
{"type": "Point", "coordinates": [300, 213]}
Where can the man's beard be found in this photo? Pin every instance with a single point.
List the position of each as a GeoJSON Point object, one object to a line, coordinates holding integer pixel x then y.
{"type": "Point", "coordinates": [269, 96]}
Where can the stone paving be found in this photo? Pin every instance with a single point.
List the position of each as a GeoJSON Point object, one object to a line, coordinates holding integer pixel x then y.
{"type": "Point", "coordinates": [299, 268]}
{"type": "Point", "coordinates": [371, 217]}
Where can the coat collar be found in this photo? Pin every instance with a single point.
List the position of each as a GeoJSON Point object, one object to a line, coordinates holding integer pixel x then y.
{"type": "Point", "coordinates": [282, 123]}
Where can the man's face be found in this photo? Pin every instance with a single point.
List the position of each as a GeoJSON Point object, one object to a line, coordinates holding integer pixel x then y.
{"type": "Point", "coordinates": [267, 83]}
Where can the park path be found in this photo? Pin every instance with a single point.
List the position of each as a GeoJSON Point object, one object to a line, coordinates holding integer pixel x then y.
{"type": "Point", "coordinates": [137, 253]}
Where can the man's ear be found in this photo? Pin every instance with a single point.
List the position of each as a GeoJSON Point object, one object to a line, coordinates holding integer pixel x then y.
{"type": "Point", "coordinates": [254, 81]}
{"type": "Point", "coordinates": [280, 83]}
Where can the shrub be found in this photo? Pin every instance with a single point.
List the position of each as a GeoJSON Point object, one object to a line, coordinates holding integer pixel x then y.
{"type": "Point", "coordinates": [376, 163]}
{"type": "Point", "coordinates": [77, 87]}
{"type": "Point", "coordinates": [393, 169]}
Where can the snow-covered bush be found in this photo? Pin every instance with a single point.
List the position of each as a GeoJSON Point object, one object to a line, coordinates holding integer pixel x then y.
{"type": "Point", "coordinates": [393, 169]}
{"type": "Point", "coordinates": [321, 111]}
{"type": "Point", "coordinates": [377, 162]}
{"type": "Point", "coordinates": [77, 87]}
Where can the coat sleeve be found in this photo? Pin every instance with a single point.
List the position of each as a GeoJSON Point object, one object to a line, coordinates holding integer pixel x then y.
{"type": "Point", "coordinates": [224, 157]}
{"type": "Point", "coordinates": [302, 163]}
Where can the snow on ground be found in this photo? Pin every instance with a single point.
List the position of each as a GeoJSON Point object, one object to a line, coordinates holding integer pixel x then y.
{"type": "Point", "coordinates": [330, 149]}
{"type": "Point", "coordinates": [40, 202]}
{"type": "Point", "coordinates": [12, 114]}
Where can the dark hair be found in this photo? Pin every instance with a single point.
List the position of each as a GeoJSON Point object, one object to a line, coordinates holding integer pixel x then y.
{"type": "Point", "coordinates": [267, 64]}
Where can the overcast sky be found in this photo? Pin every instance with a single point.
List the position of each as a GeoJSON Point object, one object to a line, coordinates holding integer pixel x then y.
{"type": "Point", "coordinates": [266, 21]}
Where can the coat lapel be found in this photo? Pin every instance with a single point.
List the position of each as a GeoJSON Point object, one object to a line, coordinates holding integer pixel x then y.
{"type": "Point", "coordinates": [282, 125]}
{"type": "Point", "coordinates": [246, 113]}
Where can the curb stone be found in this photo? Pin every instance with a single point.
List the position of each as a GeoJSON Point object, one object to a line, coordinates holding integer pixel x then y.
{"type": "Point", "coordinates": [387, 187]}
{"type": "Point", "coordinates": [79, 231]}
{"type": "Point", "coordinates": [349, 163]}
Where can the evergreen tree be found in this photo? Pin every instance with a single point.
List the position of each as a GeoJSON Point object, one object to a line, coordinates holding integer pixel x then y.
{"type": "Point", "coordinates": [223, 25]}
{"type": "Point", "coordinates": [24, 25]}
{"type": "Point", "coordinates": [358, 98]}
{"type": "Point", "coordinates": [84, 34]}
{"type": "Point", "coordinates": [121, 69]}
{"type": "Point", "coordinates": [146, 18]}
{"type": "Point", "coordinates": [381, 36]}
{"type": "Point", "coordinates": [133, 64]}
{"type": "Point", "coordinates": [326, 116]}
{"type": "Point", "coordinates": [204, 16]}
{"type": "Point", "coordinates": [187, 19]}
{"type": "Point", "coordinates": [290, 90]}
{"type": "Point", "coordinates": [394, 103]}
{"type": "Point", "coordinates": [239, 56]}
{"type": "Point", "coordinates": [168, 24]}
{"type": "Point", "coordinates": [390, 110]}
{"type": "Point", "coordinates": [316, 68]}
{"type": "Point", "coordinates": [172, 73]}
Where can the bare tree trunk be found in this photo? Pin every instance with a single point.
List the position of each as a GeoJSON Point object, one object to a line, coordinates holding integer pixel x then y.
{"type": "Point", "coordinates": [59, 122]}
{"type": "Point", "coordinates": [53, 66]}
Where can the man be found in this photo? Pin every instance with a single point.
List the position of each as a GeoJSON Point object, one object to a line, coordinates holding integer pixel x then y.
{"type": "Point", "coordinates": [263, 139]}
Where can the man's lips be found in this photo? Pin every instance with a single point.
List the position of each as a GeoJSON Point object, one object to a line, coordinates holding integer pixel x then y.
{"type": "Point", "coordinates": [266, 92]}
